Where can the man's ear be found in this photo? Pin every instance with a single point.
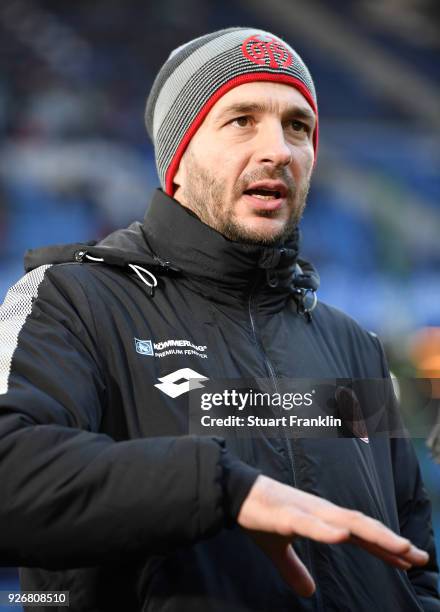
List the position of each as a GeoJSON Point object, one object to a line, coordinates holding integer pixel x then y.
{"type": "Point", "coordinates": [179, 178]}
{"type": "Point", "coordinates": [177, 182]}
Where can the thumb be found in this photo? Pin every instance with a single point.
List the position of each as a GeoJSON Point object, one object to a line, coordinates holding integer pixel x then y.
{"type": "Point", "coordinates": [294, 572]}
{"type": "Point", "coordinates": [292, 569]}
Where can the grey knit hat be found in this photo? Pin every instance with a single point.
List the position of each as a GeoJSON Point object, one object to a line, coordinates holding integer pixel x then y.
{"type": "Point", "coordinates": [198, 73]}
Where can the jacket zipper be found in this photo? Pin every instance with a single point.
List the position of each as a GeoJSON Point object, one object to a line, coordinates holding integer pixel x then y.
{"type": "Point", "coordinates": [270, 369]}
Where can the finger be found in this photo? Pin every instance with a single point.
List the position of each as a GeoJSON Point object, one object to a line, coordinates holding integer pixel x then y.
{"type": "Point", "coordinates": [309, 526]}
{"type": "Point", "coordinates": [416, 556]}
{"type": "Point", "coordinates": [389, 558]}
{"type": "Point", "coordinates": [375, 532]}
{"type": "Point", "coordinates": [413, 556]}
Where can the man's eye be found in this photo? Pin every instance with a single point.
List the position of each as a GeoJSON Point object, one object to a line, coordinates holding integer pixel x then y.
{"type": "Point", "coordinates": [299, 126]}
{"type": "Point", "coordinates": [241, 121]}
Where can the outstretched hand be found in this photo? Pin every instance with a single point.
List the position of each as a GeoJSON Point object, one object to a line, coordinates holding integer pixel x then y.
{"type": "Point", "coordinates": [274, 513]}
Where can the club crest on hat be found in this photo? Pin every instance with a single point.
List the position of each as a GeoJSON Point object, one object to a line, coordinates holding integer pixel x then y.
{"type": "Point", "coordinates": [260, 49]}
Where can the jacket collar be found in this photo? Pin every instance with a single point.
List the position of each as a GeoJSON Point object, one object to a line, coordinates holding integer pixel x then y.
{"type": "Point", "coordinates": [172, 239]}
{"type": "Point", "coordinates": [178, 236]}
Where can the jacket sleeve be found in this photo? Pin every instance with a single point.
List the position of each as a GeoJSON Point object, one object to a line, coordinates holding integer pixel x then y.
{"type": "Point", "coordinates": [74, 497]}
{"type": "Point", "coordinates": [413, 504]}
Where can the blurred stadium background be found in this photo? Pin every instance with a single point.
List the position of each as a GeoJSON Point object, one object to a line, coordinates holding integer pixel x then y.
{"type": "Point", "coordinates": [76, 163]}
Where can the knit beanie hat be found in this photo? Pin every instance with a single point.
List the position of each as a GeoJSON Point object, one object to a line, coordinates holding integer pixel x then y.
{"type": "Point", "coordinates": [200, 72]}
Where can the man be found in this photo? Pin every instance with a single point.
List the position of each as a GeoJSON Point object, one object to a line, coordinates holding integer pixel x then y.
{"type": "Point", "coordinates": [103, 493]}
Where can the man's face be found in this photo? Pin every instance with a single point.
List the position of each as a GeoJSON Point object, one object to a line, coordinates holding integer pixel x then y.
{"type": "Point", "coordinates": [246, 171]}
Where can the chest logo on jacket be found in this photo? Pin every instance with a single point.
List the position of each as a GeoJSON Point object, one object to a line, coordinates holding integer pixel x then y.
{"type": "Point", "coordinates": [166, 348]}
{"type": "Point", "coordinates": [180, 381]}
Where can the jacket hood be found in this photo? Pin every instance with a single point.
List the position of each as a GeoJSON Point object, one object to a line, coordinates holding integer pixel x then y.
{"type": "Point", "coordinates": [172, 240]}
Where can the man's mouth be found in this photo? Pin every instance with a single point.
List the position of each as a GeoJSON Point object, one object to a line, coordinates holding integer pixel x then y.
{"type": "Point", "coordinates": [267, 190]}
{"type": "Point", "coordinates": [264, 194]}
{"type": "Point", "coordinates": [267, 195]}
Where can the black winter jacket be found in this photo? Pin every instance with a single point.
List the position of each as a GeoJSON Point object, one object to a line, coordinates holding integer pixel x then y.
{"type": "Point", "coordinates": [102, 492]}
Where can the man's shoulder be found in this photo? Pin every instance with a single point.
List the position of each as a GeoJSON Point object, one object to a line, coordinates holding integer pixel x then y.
{"type": "Point", "coordinates": [62, 287]}
{"type": "Point", "coordinates": [84, 263]}
{"type": "Point", "coordinates": [67, 276]}
{"type": "Point", "coordinates": [37, 281]}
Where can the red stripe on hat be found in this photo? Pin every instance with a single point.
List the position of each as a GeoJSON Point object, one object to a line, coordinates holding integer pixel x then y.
{"type": "Point", "coordinates": [239, 80]}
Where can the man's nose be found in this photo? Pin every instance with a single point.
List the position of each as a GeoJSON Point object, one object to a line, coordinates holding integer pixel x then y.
{"type": "Point", "coordinates": [272, 146]}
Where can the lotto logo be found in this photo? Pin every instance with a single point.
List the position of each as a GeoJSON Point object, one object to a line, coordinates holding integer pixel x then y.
{"type": "Point", "coordinates": [171, 386]}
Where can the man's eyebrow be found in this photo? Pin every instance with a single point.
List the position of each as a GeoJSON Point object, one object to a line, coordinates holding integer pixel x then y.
{"type": "Point", "coordinates": [245, 108]}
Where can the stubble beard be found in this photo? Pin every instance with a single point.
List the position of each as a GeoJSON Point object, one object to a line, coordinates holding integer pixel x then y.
{"type": "Point", "coordinates": [204, 194]}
